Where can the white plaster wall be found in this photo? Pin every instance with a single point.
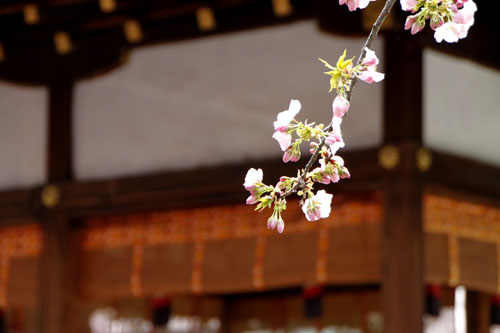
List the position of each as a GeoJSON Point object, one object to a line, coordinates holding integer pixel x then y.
{"type": "Point", "coordinates": [461, 107]}
{"type": "Point", "coordinates": [211, 101]}
{"type": "Point", "coordinates": [22, 135]}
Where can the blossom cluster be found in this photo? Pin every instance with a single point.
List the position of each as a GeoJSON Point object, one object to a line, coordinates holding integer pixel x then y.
{"type": "Point", "coordinates": [450, 19]}
{"type": "Point", "coordinates": [324, 142]}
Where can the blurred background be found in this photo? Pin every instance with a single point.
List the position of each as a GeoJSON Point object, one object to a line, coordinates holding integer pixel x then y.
{"type": "Point", "coordinates": [127, 128]}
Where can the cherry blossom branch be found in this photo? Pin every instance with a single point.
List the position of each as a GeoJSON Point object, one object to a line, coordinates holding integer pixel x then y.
{"type": "Point", "coordinates": [451, 19]}
{"type": "Point", "coordinates": [371, 38]}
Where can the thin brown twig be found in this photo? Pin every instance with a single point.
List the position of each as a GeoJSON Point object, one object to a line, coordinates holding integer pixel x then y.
{"type": "Point", "coordinates": [371, 37]}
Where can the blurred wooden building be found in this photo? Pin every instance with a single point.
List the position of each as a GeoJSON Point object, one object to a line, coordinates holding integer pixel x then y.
{"type": "Point", "coordinates": [126, 130]}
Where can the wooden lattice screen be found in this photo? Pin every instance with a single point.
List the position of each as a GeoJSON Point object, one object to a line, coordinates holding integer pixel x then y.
{"type": "Point", "coordinates": [227, 249]}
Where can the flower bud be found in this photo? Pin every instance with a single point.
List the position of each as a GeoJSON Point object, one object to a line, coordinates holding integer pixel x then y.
{"type": "Point", "coordinates": [413, 24]}
{"type": "Point", "coordinates": [340, 106]}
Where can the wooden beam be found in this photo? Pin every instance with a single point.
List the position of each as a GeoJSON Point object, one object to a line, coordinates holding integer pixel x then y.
{"type": "Point", "coordinates": [174, 190]}
{"type": "Point", "coordinates": [17, 206]}
{"type": "Point", "coordinates": [194, 188]}
{"type": "Point", "coordinates": [222, 185]}
{"type": "Point", "coordinates": [99, 42]}
{"type": "Point", "coordinates": [403, 270]}
{"type": "Point", "coordinates": [92, 56]}
{"type": "Point", "coordinates": [337, 19]}
{"type": "Point", "coordinates": [464, 174]}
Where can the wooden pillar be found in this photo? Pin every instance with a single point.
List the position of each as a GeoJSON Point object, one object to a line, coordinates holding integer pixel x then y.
{"type": "Point", "coordinates": [478, 312]}
{"type": "Point", "coordinates": [227, 305]}
{"type": "Point", "coordinates": [403, 275]}
{"type": "Point", "coordinates": [60, 161]}
{"type": "Point", "coordinates": [54, 282]}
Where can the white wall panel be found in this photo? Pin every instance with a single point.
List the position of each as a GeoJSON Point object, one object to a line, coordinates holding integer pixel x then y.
{"type": "Point", "coordinates": [461, 107]}
{"type": "Point", "coordinates": [22, 135]}
{"type": "Point", "coordinates": [213, 100]}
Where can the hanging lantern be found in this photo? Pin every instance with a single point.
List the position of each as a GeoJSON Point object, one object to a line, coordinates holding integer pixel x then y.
{"type": "Point", "coordinates": [30, 13]}
{"type": "Point", "coordinates": [432, 299]}
{"type": "Point", "coordinates": [313, 301]}
{"type": "Point", "coordinates": [282, 8]}
{"type": "Point", "coordinates": [205, 19]}
{"type": "Point", "coordinates": [2, 321]}
{"type": "Point", "coordinates": [495, 310]}
{"type": "Point", "coordinates": [133, 31]}
{"type": "Point", "coordinates": [62, 43]}
{"type": "Point", "coordinates": [107, 6]}
{"type": "Point", "coordinates": [161, 311]}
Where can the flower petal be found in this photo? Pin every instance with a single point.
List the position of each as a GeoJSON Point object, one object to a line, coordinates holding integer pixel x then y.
{"type": "Point", "coordinates": [284, 139]}
{"type": "Point", "coordinates": [285, 117]}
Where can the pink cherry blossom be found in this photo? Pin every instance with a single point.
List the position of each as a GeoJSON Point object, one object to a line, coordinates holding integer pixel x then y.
{"type": "Point", "coordinates": [413, 24]}
{"type": "Point", "coordinates": [336, 122]}
{"type": "Point", "coordinates": [341, 169]}
{"type": "Point", "coordinates": [407, 5]}
{"type": "Point", "coordinates": [466, 14]}
{"type": "Point", "coordinates": [436, 23]}
{"type": "Point", "coordinates": [283, 138]}
{"type": "Point", "coordinates": [334, 146]}
{"type": "Point", "coordinates": [311, 210]}
{"type": "Point", "coordinates": [338, 160]}
{"type": "Point", "coordinates": [370, 58]}
{"type": "Point", "coordinates": [276, 222]}
{"type": "Point", "coordinates": [253, 198]}
{"type": "Point", "coordinates": [355, 4]}
{"type": "Point", "coordinates": [370, 75]}
{"type": "Point", "coordinates": [285, 117]}
{"type": "Point", "coordinates": [334, 177]}
{"type": "Point", "coordinates": [335, 135]}
{"type": "Point", "coordinates": [318, 206]}
{"type": "Point", "coordinates": [333, 138]}
{"type": "Point", "coordinates": [252, 178]}
{"type": "Point", "coordinates": [280, 226]}
{"type": "Point", "coordinates": [291, 154]}
{"type": "Point", "coordinates": [330, 171]}
{"type": "Point", "coordinates": [340, 106]}
{"type": "Point", "coordinates": [460, 3]}
{"type": "Point", "coordinates": [368, 71]}
{"type": "Point", "coordinates": [451, 32]}
{"type": "Point", "coordinates": [344, 173]}
{"type": "Point", "coordinates": [313, 146]}
{"type": "Point", "coordinates": [271, 222]}
{"type": "Point", "coordinates": [462, 20]}
{"type": "Point", "coordinates": [320, 176]}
